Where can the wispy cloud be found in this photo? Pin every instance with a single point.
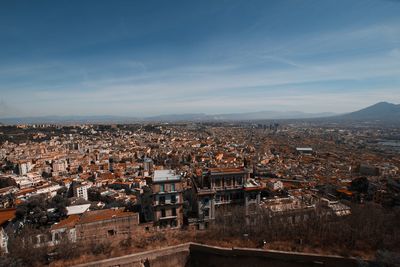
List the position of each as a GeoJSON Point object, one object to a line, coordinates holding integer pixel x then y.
{"type": "Point", "coordinates": [314, 72]}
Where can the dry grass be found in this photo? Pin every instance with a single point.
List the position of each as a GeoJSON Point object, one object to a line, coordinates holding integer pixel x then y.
{"type": "Point", "coordinates": [171, 238]}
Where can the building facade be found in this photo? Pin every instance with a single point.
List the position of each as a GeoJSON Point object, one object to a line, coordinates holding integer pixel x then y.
{"type": "Point", "coordinates": [218, 187]}
{"type": "Point", "coordinates": [80, 190]}
{"type": "Point", "coordinates": [97, 226]}
{"type": "Point", "coordinates": [167, 199]}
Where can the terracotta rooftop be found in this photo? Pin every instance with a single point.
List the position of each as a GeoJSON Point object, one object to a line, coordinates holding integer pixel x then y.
{"type": "Point", "coordinates": [100, 215]}
{"type": "Point", "coordinates": [25, 191]}
{"type": "Point", "coordinates": [91, 216]}
{"type": "Point", "coordinates": [226, 170]}
{"type": "Point", "coordinates": [66, 223]}
{"type": "Point", "coordinates": [345, 191]}
{"type": "Point", "coordinates": [6, 215]}
{"type": "Point", "coordinates": [123, 183]}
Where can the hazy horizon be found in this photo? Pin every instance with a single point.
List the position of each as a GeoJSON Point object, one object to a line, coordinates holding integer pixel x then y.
{"type": "Point", "coordinates": [169, 114]}
{"type": "Point", "coordinates": [133, 116]}
{"type": "Point", "coordinates": [148, 58]}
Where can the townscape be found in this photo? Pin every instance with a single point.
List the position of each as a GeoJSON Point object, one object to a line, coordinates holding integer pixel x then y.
{"type": "Point", "coordinates": [182, 133]}
{"type": "Point", "coordinates": [118, 185]}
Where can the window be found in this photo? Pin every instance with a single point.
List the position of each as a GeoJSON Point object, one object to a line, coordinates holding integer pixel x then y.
{"type": "Point", "coordinates": [163, 224]}
{"type": "Point", "coordinates": [40, 239]}
{"type": "Point", "coordinates": [57, 236]}
{"type": "Point", "coordinates": [111, 232]}
{"type": "Point", "coordinates": [206, 212]}
{"type": "Point", "coordinates": [173, 211]}
{"type": "Point", "coordinates": [173, 199]}
{"type": "Point", "coordinates": [162, 188]}
{"type": "Point", "coordinates": [163, 213]}
{"type": "Point", "coordinates": [162, 200]}
{"type": "Point", "coordinates": [173, 187]}
{"type": "Point", "coordinates": [252, 196]}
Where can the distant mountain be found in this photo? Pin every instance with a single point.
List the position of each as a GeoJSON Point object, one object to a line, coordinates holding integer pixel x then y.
{"type": "Point", "coordinates": [261, 115]}
{"type": "Point", "coordinates": [177, 117]}
{"type": "Point", "coordinates": [267, 115]}
{"type": "Point", "coordinates": [382, 111]}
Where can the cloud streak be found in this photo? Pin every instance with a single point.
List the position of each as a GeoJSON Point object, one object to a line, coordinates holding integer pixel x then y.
{"type": "Point", "coordinates": [326, 70]}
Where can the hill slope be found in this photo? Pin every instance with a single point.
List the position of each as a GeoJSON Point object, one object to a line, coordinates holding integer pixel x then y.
{"type": "Point", "coordinates": [382, 111]}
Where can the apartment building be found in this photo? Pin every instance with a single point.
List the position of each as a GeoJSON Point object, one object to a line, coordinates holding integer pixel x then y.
{"type": "Point", "coordinates": [167, 199]}
{"type": "Point", "coordinates": [223, 186]}
{"type": "Point", "coordinates": [228, 184]}
{"type": "Point", "coordinates": [80, 190]}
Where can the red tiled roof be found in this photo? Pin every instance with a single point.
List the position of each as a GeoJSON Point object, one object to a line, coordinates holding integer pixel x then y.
{"type": "Point", "coordinates": [253, 188]}
{"type": "Point", "coordinates": [100, 215]}
{"type": "Point", "coordinates": [122, 183]}
{"type": "Point", "coordinates": [7, 215]}
{"type": "Point", "coordinates": [345, 191]}
{"type": "Point", "coordinates": [91, 216]}
{"type": "Point", "coordinates": [66, 223]}
{"type": "Point", "coordinates": [229, 170]}
{"type": "Point", "coordinates": [25, 191]}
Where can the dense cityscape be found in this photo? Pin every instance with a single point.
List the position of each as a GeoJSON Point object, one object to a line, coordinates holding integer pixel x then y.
{"type": "Point", "coordinates": [103, 189]}
{"type": "Point", "coordinates": [212, 133]}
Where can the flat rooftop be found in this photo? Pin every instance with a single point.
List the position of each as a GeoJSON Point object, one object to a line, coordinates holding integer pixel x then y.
{"type": "Point", "coordinates": [304, 149]}
{"type": "Point", "coordinates": [165, 175]}
{"type": "Point", "coordinates": [226, 170]}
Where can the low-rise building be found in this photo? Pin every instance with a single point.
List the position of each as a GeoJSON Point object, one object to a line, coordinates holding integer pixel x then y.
{"type": "Point", "coordinates": [97, 226]}
{"type": "Point", "coordinates": [274, 184]}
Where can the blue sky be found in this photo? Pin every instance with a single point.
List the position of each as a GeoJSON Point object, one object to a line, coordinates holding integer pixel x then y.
{"type": "Point", "coordinates": [140, 58]}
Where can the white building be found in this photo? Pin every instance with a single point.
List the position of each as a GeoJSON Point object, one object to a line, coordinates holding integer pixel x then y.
{"type": "Point", "coordinates": [275, 185]}
{"type": "Point", "coordinates": [304, 150]}
{"type": "Point", "coordinates": [3, 153]}
{"type": "Point", "coordinates": [50, 190]}
{"type": "Point", "coordinates": [24, 167]}
{"type": "Point", "coordinates": [35, 177]}
{"type": "Point", "coordinates": [23, 182]}
{"type": "Point", "coordinates": [60, 166]}
{"type": "Point", "coordinates": [81, 191]}
{"type": "Point", "coordinates": [3, 241]}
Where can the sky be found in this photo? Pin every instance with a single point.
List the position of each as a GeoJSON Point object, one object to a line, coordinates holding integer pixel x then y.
{"type": "Point", "coordinates": [144, 58]}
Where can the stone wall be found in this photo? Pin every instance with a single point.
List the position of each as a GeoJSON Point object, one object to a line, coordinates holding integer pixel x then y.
{"type": "Point", "coordinates": [167, 257]}
{"type": "Point", "coordinates": [197, 255]}
{"type": "Point", "coordinates": [201, 255]}
{"type": "Point", "coordinates": [114, 229]}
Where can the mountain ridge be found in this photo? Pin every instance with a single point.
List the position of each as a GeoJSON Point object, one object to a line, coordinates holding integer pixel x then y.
{"type": "Point", "coordinates": [381, 111]}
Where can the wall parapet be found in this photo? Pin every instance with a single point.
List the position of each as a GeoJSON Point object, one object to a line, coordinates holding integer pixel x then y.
{"type": "Point", "coordinates": [194, 254]}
